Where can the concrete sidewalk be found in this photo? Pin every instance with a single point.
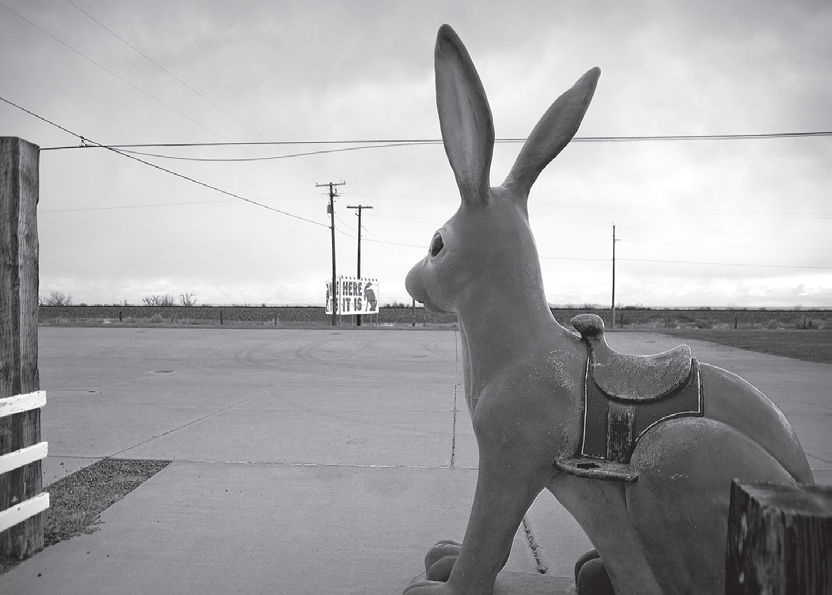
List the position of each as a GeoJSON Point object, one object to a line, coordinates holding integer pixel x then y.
{"type": "Point", "coordinates": [322, 461]}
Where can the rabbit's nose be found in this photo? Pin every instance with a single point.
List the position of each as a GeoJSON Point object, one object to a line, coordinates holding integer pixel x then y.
{"type": "Point", "coordinates": [414, 283]}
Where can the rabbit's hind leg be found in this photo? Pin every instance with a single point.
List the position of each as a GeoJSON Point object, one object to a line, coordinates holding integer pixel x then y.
{"type": "Point", "coordinates": [679, 506]}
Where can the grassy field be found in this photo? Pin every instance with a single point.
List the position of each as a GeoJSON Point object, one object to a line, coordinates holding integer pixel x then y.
{"type": "Point", "coordinates": [806, 345]}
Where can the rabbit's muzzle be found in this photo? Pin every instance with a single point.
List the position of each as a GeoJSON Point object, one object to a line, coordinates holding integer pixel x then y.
{"type": "Point", "coordinates": [416, 286]}
{"type": "Point", "coordinates": [414, 283]}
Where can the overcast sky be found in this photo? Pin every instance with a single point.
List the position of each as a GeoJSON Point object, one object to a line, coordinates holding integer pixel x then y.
{"type": "Point", "coordinates": [702, 223]}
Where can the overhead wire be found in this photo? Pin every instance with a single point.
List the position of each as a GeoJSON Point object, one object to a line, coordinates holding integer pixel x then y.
{"type": "Point", "coordinates": [609, 207]}
{"type": "Point", "coordinates": [374, 144]}
{"type": "Point", "coordinates": [236, 196]}
{"type": "Point", "coordinates": [727, 264]}
{"type": "Point", "coordinates": [365, 144]}
{"type": "Point", "coordinates": [182, 82]}
{"type": "Point", "coordinates": [136, 87]}
{"type": "Point", "coordinates": [383, 245]}
{"type": "Point", "coordinates": [593, 259]}
{"type": "Point", "coordinates": [162, 68]}
{"type": "Point", "coordinates": [163, 169]}
{"type": "Point", "coordinates": [393, 142]}
{"type": "Point", "coordinates": [689, 244]}
{"type": "Point", "coordinates": [269, 158]}
{"type": "Point", "coordinates": [108, 71]}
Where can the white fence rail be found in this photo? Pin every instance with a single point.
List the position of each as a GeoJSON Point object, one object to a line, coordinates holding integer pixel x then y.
{"type": "Point", "coordinates": [21, 511]}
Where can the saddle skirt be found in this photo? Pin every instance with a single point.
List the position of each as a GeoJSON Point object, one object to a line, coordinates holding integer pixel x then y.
{"type": "Point", "coordinates": [624, 396]}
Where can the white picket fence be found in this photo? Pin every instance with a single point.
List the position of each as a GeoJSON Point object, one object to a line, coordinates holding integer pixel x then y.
{"type": "Point", "coordinates": [21, 511]}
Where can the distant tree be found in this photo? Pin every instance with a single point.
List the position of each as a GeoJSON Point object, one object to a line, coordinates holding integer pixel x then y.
{"type": "Point", "coordinates": [187, 299]}
{"type": "Point", "coordinates": [158, 300]}
{"type": "Point", "coordinates": [57, 298]}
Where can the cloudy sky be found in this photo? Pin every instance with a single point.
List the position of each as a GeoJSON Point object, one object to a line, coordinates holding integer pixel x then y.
{"type": "Point", "coordinates": [740, 222]}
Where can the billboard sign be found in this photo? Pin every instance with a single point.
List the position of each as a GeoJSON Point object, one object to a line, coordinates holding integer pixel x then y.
{"type": "Point", "coordinates": [353, 296]}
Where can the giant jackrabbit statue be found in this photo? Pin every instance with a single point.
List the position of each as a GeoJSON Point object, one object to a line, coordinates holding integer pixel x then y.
{"type": "Point", "coordinates": [641, 450]}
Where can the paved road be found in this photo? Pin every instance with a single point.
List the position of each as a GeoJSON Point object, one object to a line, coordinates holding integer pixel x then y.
{"type": "Point", "coordinates": [305, 461]}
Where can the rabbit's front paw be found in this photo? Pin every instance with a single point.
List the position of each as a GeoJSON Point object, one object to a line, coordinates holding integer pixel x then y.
{"type": "Point", "coordinates": [440, 560]}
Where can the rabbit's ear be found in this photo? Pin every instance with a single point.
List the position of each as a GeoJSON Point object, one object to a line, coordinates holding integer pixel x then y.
{"type": "Point", "coordinates": [464, 117]}
{"type": "Point", "coordinates": [552, 133]}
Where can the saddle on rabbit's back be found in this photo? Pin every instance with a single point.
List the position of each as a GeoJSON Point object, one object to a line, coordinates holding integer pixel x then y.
{"type": "Point", "coordinates": [624, 396]}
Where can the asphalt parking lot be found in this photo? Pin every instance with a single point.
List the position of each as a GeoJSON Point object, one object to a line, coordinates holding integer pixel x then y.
{"type": "Point", "coordinates": [304, 461]}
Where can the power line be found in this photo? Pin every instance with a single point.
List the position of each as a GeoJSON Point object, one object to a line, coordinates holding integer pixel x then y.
{"type": "Point", "coordinates": [384, 245]}
{"type": "Point", "coordinates": [689, 244]}
{"type": "Point", "coordinates": [585, 259]}
{"type": "Point", "coordinates": [728, 264]}
{"type": "Point", "coordinates": [160, 168]}
{"type": "Point", "coordinates": [732, 232]}
{"type": "Point", "coordinates": [155, 63]}
{"type": "Point", "coordinates": [394, 142]}
{"type": "Point", "coordinates": [115, 149]}
{"type": "Point", "coordinates": [419, 246]}
{"type": "Point", "coordinates": [176, 78]}
{"type": "Point", "coordinates": [698, 137]}
{"type": "Point", "coordinates": [136, 87]}
{"type": "Point", "coordinates": [119, 207]}
{"type": "Point", "coordinates": [609, 207]}
{"type": "Point", "coordinates": [107, 70]}
{"type": "Point", "coordinates": [245, 159]}
{"type": "Point", "coordinates": [381, 142]}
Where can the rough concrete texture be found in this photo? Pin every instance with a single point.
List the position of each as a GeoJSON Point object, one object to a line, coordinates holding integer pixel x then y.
{"type": "Point", "coordinates": [322, 461]}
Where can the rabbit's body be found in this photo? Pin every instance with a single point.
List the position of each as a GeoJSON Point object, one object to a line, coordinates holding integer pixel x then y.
{"type": "Point", "coordinates": [524, 384]}
{"type": "Point", "coordinates": [672, 523]}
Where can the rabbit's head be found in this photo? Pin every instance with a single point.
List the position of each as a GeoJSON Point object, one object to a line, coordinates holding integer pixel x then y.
{"type": "Point", "coordinates": [487, 246]}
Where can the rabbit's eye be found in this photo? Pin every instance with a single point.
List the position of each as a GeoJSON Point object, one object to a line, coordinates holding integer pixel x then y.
{"type": "Point", "coordinates": [436, 245]}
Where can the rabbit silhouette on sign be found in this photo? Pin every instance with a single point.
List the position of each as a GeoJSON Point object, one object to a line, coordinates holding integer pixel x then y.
{"type": "Point", "coordinates": [370, 295]}
{"type": "Point", "coordinates": [654, 499]}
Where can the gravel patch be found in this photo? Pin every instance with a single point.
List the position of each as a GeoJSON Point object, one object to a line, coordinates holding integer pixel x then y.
{"type": "Point", "coordinates": [77, 500]}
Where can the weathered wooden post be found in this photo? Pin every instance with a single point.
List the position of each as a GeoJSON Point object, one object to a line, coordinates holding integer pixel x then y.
{"type": "Point", "coordinates": [21, 450]}
{"type": "Point", "coordinates": [778, 539]}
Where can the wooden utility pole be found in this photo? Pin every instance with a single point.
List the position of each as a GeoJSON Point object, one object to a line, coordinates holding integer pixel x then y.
{"type": "Point", "coordinates": [358, 268]}
{"type": "Point", "coordinates": [21, 482]}
{"type": "Point", "coordinates": [613, 275]}
{"type": "Point", "coordinates": [331, 210]}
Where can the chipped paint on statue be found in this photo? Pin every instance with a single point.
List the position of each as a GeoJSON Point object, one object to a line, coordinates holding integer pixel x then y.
{"type": "Point", "coordinates": [641, 450]}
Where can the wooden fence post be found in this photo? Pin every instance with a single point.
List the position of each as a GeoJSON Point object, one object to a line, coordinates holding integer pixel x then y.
{"type": "Point", "coordinates": [778, 539]}
{"type": "Point", "coordinates": [20, 487]}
